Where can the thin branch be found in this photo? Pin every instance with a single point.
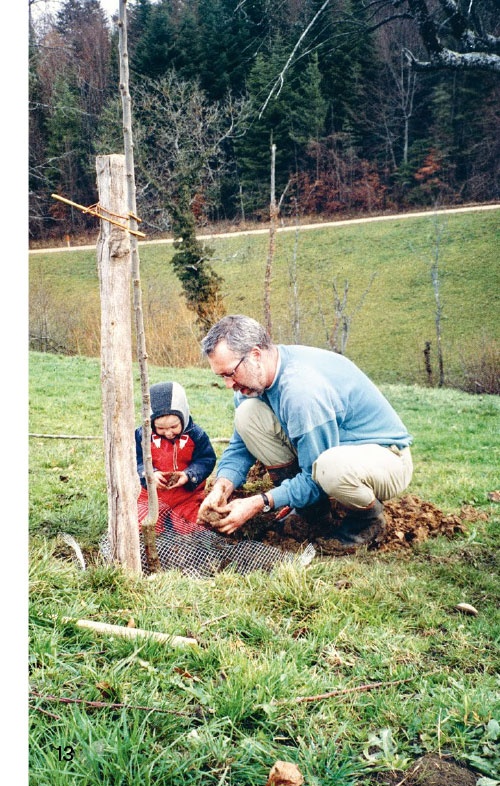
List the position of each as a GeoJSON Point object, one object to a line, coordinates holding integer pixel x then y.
{"type": "Point", "coordinates": [101, 704]}
{"type": "Point", "coordinates": [343, 691]}
{"type": "Point", "coordinates": [44, 712]}
{"type": "Point", "coordinates": [61, 436]}
{"type": "Point", "coordinates": [281, 78]}
{"type": "Point", "coordinates": [77, 436]}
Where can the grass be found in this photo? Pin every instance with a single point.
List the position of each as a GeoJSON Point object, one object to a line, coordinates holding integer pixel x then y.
{"type": "Point", "coordinates": [223, 712]}
{"type": "Point", "coordinates": [391, 300]}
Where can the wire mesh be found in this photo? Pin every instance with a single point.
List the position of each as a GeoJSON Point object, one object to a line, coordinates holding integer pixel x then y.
{"type": "Point", "coordinates": [200, 552]}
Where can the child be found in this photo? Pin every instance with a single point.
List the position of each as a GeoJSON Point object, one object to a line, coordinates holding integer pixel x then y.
{"type": "Point", "coordinates": [183, 458]}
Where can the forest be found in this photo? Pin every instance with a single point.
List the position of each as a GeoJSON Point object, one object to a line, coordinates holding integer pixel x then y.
{"type": "Point", "coordinates": [369, 112]}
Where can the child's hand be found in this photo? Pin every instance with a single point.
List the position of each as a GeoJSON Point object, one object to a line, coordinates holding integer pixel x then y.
{"type": "Point", "coordinates": [170, 480]}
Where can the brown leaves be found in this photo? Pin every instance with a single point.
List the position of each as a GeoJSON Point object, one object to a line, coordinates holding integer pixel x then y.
{"type": "Point", "coordinates": [284, 773]}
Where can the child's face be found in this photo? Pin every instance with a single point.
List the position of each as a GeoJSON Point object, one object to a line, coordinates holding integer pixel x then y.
{"type": "Point", "coordinates": [168, 426]}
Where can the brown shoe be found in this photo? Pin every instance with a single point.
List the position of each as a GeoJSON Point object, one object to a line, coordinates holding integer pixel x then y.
{"type": "Point", "coordinates": [364, 527]}
{"type": "Point", "coordinates": [281, 472]}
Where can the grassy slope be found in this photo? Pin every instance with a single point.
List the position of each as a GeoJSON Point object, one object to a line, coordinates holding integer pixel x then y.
{"type": "Point", "coordinates": [261, 638]}
{"type": "Point", "coordinates": [397, 315]}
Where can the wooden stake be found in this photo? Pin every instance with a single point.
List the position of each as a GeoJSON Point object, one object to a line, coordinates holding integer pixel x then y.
{"type": "Point", "coordinates": [149, 524]}
{"type": "Point", "coordinates": [113, 254]}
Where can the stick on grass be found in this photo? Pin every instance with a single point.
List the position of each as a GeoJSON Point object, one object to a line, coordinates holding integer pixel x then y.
{"type": "Point", "coordinates": [342, 691]}
{"type": "Point", "coordinates": [132, 633]}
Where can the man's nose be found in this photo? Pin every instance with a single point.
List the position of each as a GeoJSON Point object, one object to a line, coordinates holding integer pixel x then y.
{"type": "Point", "coordinates": [230, 383]}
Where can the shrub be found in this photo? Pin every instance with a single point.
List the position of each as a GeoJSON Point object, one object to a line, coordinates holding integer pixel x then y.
{"type": "Point", "coordinates": [481, 369]}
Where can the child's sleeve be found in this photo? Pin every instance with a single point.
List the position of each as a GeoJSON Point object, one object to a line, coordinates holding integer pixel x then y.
{"type": "Point", "coordinates": [203, 460]}
{"type": "Point", "coordinates": [139, 457]}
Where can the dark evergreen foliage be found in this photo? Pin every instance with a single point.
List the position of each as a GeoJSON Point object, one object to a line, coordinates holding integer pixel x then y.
{"type": "Point", "coordinates": [355, 128]}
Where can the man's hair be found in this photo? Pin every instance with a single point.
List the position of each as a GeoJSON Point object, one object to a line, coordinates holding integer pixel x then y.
{"type": "Point", "coordinates": [241, 333]}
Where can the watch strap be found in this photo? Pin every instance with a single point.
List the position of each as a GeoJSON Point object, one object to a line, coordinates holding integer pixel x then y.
{"type": "Point", "coordinates": [267, 504]}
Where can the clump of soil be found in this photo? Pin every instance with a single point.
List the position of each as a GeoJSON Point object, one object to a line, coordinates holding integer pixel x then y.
{"type": "Point", "coordinates": [410, 521]}
{"type": "Point", "coordinates": [212, 516]}
{"type": "Point", "coordinates": [429, 771]}
{"type": "Point", "coordinates": [170, 479]}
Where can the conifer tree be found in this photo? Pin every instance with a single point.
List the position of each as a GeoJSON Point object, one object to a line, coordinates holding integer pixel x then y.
{"type": "Point", "coordinates": [291, 118]}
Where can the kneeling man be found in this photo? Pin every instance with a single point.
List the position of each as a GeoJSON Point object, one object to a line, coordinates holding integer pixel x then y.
{"type": "Point", "coordinates": [319, 425]}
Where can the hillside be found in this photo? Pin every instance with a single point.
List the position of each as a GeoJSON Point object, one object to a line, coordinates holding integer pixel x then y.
{"type": "Point", "coordinates": [391, 302]}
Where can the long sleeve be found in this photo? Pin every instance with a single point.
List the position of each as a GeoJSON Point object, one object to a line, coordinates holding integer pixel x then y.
{"type": "Point", "coordinates": [235, 462]}
{"type": "Point", "coordinates": [203, 459]}
{"type": "Point", "coordinates": [139, 456]}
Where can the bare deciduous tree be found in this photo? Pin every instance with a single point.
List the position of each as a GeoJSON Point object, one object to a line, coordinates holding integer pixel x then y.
{"type": "Point", "coordinates": [439, 230]}
{"type": "Point", "coordinates": [184, 137]}
{"type": "Point", "coordinates": [456, 34]}
{"type": "Point", "coordinates": [338, 336]}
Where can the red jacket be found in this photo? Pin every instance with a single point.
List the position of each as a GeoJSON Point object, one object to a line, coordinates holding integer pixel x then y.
{"type": "Point", "coordinates": [191, 452]}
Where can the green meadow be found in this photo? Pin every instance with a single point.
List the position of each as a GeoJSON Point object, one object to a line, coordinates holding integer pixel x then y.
{"type": "Point", "coordinates": [408, 674]}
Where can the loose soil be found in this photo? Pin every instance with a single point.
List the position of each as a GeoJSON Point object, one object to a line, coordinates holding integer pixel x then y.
{"type": "Point", "coordinates": [410, 521]}
{"type": "Point", "coordinates": [170, 479]}
{"type": "Point", "coordinates": [429, 771]}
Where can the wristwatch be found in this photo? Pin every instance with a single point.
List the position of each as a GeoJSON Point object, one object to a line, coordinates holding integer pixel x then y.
{"type": "Point", "coordinates": [267, 505]}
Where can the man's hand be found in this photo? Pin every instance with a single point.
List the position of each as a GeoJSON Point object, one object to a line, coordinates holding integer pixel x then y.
{"type": "Point", "coordinates": [236, 513]}
{"type": "Point", "coordinates": [216, 500]}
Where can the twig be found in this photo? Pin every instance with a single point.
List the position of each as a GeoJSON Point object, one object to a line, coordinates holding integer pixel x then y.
{"type": "Point", "coordinates": [400, 783]}
{"type": "Point", "coordinates": [44, 712]}
{"type": "Point", "coordinates": [281, 77]}
{"type": "Point", "coordinates": [94, 210]}
{"type": "Point", "coordinates": [100, 704]}
{"type": "Point", "coordinates": [222, 778]}
{"type": "Point", "coordinates": [211, 622]}
{"type": "Point", "coordinates": [61, 436]}
{"type": "Point", "coordinates": [342, 691]}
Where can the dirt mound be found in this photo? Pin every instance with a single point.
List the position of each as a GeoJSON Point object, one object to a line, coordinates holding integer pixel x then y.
{"type": "Point", "coordinates": [410, 521]}
{"type": "Point", "coordinates": [429, 771]}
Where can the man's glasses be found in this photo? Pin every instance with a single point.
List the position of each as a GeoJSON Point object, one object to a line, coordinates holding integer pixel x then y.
{"type": "Point", "coordinates": [230, 374]}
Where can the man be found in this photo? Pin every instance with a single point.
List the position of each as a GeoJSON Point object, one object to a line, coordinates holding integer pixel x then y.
{"type": "Point", "coordinates": [322, 429]}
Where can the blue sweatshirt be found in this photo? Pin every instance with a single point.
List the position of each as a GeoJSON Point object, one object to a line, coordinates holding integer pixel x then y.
{"type": "Point", "coordinates": [322, 399]}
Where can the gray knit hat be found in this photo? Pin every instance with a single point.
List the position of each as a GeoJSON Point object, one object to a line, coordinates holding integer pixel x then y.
{"type": "Point", "coordinates": [169, 398]}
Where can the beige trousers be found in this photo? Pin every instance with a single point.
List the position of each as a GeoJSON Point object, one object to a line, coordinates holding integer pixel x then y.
{"type": "Point", "coordinates": [351, 474]}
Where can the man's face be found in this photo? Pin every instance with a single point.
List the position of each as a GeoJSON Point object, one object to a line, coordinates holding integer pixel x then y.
{"type": "Point", "coordinates": [242, 373]}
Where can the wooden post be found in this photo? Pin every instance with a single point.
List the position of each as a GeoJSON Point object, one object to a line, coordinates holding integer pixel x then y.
{"type": "Point", "coordinates": [113, 259]}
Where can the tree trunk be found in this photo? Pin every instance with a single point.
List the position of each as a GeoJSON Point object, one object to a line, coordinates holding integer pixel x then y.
{"type": "Point", "coordinates": [148, 525]}
{"type": "Point", "coordinates": [113, 259]}
{"type": "Point", "coordinates": [273, 216]}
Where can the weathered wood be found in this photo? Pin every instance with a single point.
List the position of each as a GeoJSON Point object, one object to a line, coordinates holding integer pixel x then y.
{"type": "Point", "coordinates": [113, 256]}
{"type": "Point", "coordinates": [133, 633]}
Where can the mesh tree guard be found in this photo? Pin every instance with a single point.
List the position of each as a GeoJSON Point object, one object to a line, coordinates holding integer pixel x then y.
{"type": "Point", "coordinates": [200, 552]}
